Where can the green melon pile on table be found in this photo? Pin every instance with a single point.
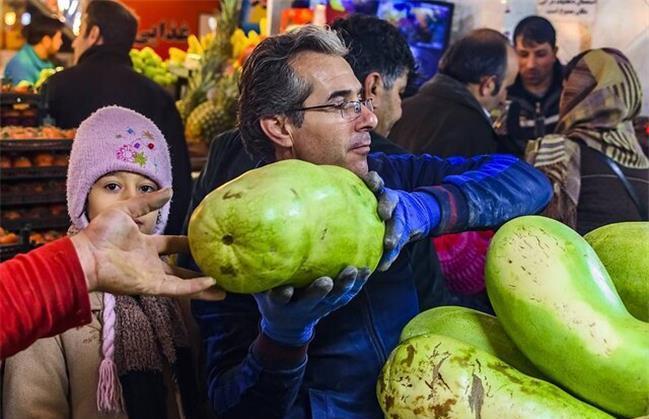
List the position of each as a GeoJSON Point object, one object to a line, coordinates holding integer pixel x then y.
{"type": "Point", "coordinates": [570, 340]}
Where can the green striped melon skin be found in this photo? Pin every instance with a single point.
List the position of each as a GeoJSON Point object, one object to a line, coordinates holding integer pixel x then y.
{"type": "Point", "coordinates": [474, 327]}
{"type": "Point", "coordinates": [623, 248]}
{"type": "Point", "coordinates": [434, 376]}
{"type": "Point", "coordinates": [557, 303]}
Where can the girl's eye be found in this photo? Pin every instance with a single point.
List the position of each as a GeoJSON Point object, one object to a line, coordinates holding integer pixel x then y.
{"type": "Point", "coordinates": [147, 188]}
{"type": "Point", "coordinates": [111, 186]}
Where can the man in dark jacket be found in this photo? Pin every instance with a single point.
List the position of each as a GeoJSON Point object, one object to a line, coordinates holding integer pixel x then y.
{"type": "Point", "coordinates": [104, 76]}
{"type": "Point", "coordinates": [257, 346]}
{"type": "Point", "coordinates": [449, 116]}
{"type": "Point", "coordinates": [536, 91]}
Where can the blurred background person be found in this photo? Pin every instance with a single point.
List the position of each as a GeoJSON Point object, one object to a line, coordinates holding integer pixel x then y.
{"type": "Point", "coordinates": [449, 116]}
{"type": "Point", "coordinates": [43, 39]}
{"type": "Point", "coordinates": [535, 93]}
{"type": "Point", "coordinates": [596, 165]}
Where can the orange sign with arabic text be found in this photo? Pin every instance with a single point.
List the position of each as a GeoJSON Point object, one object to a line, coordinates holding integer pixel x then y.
{"type": "Point", "coordinates": [165, 24]}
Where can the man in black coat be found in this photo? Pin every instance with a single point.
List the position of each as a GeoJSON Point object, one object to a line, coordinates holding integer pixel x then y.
{"type": "Point", "coordinates": [449, 116]}
{"type": "Point", "coordinates": [104, 76]}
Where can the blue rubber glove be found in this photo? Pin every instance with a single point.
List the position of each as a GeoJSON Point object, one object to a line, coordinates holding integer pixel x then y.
{"type": "Point", "coordinates": [289, 315]}
{"type": "Point", "coordinates": [409, 216]}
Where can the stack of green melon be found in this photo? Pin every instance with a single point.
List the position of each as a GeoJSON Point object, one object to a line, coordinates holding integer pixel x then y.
{"type": "Point", "coordinates": [563, 346]}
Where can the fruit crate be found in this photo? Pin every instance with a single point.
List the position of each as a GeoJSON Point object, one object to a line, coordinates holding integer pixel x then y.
{"type": "Point", "coordinates": [7, 251]}
{"type": "Point", "coordinates": [30, 199]}
{"type": "Point", "coordinates": [25, 109]}
{"type": "Point", "coordinates": [54, 223]}
{"type": "Point", "coordinates": [32, 179]}
{"type": "Point", "coordinates": [22, 173]}
{"type": "Point", "coordinates": [10, 144]}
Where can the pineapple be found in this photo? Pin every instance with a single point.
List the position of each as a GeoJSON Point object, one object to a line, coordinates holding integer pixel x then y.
{"type": "Point", "coordinates": [217, 115]}
{"type": "Point", "coordinates": [214, 61]}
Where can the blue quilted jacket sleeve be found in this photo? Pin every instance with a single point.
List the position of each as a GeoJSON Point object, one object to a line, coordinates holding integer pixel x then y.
{"type": "Point", "coordinates": [473, 193]}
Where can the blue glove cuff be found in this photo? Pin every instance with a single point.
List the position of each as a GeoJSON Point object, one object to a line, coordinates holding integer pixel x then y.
{"type": "Point", "coordinates": [427, 206]}
{"type": "Point", "coordinates": [290, 337]}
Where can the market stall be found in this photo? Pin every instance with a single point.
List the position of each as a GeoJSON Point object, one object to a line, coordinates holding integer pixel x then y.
{"type": "Point", "coordinates": [33, 165]}
{"type": "Point", "coordinates": [569, 338]}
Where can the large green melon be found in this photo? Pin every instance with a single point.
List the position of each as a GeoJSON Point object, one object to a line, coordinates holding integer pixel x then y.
{"type": "Point", "coordinates": [286, 223]}
{"type": "Point", "coordinates": [473, 327]}
{"type": "Point", "coordinates": [558, 304]}
{"type": "Point", "coordinates": [435, 376]}
{"type": "Point", "coordinates": [623, 248]}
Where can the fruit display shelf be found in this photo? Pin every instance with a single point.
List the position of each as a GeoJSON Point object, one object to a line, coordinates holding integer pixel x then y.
{"type": "Point", "coordinates": [38, 144]}
{"type": "Point", "coordinates": [26, 109]}
{"type": "Point", "coordinates": [13, 98]}
{"type": "Point", "coordinates": [23, 245]}
{"type": "Point", "coordinates": [33, 170]}
{"type": "Point", "coordinates": [55, 223]}
{"type": "Point", "coordinates": [23, 173]}
{"type": "Point", "coordinates": [10, 199]}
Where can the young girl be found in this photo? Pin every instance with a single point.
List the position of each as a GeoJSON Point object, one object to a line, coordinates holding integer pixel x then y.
{"type": "Point", "coordinates": [133, 359]}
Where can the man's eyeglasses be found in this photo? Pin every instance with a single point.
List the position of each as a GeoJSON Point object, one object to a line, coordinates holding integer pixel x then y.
{"type": "Point", "coordinates": [349, 109]}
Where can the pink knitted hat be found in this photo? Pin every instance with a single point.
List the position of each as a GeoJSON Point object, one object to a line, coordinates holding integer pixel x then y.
{"type": "Point", "coordinates": [115, 139]}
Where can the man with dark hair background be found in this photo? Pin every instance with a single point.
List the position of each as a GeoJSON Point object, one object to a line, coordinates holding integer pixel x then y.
{"type": "Point", "coordinates": [381, 61]}
{"type": "Point", "coordinates": [104, 75]}
{"type": "Point", "coordinates": [449, 116]}
{"type": "Point", "coordinates": [536, 91]}
{"type": "Point", "coordinates": [43, 38]}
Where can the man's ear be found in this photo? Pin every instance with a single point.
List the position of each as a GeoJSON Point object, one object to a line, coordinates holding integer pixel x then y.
{"type": "Point", "coordinates": [487, 86]}
{"type": "Point", "coordinates": [95, 36]}
{"type": "Point", "coordinates": [277, 130]}
{"type": "Point", "coordinates": [371, 84]}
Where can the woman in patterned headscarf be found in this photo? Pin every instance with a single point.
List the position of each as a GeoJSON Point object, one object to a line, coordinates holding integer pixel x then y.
{"type": "Point", "coordinates": [601, 96]}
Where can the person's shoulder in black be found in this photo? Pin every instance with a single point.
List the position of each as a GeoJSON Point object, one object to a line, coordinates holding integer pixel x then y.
{"type": "Point", "coordinates": [103, 76]}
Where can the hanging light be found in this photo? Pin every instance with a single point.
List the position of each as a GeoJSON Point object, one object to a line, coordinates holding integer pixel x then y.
{"type": "Point", "coordinates": [63, 4]}
{"type": "Point", "coordinates": [211, 23]}
{"type": "Point", "coordinates": [25, 18]}
{"type": "Point", "coordinates": [76, 24]}
{"type": "Point", "coordinates": [10, 18]}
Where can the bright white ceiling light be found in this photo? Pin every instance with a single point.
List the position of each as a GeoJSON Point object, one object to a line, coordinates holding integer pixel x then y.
{"type": "Point", "coordinates": [25, 19]}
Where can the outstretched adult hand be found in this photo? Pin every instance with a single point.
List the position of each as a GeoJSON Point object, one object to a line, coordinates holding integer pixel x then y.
{"type": "Point", "coordinates": [117, 258]}
{"type": "Point", "coordinates": [408, 216]}
{"type": "Point", "coordinates": [289, 315]}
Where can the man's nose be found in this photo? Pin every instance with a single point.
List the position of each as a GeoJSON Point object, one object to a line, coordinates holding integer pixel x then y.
{"type": "Point", "coordinates": [367, 120]}
{"type": "Point", "coordinates": [530, 62]}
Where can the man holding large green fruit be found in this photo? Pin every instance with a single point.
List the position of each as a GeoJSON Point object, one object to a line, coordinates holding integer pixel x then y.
{"type": "Point", "coordinates": [318, 351]}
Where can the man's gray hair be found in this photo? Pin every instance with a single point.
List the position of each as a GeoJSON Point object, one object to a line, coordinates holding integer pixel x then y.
{"type": "Point", "coordinates": [270, 86]}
